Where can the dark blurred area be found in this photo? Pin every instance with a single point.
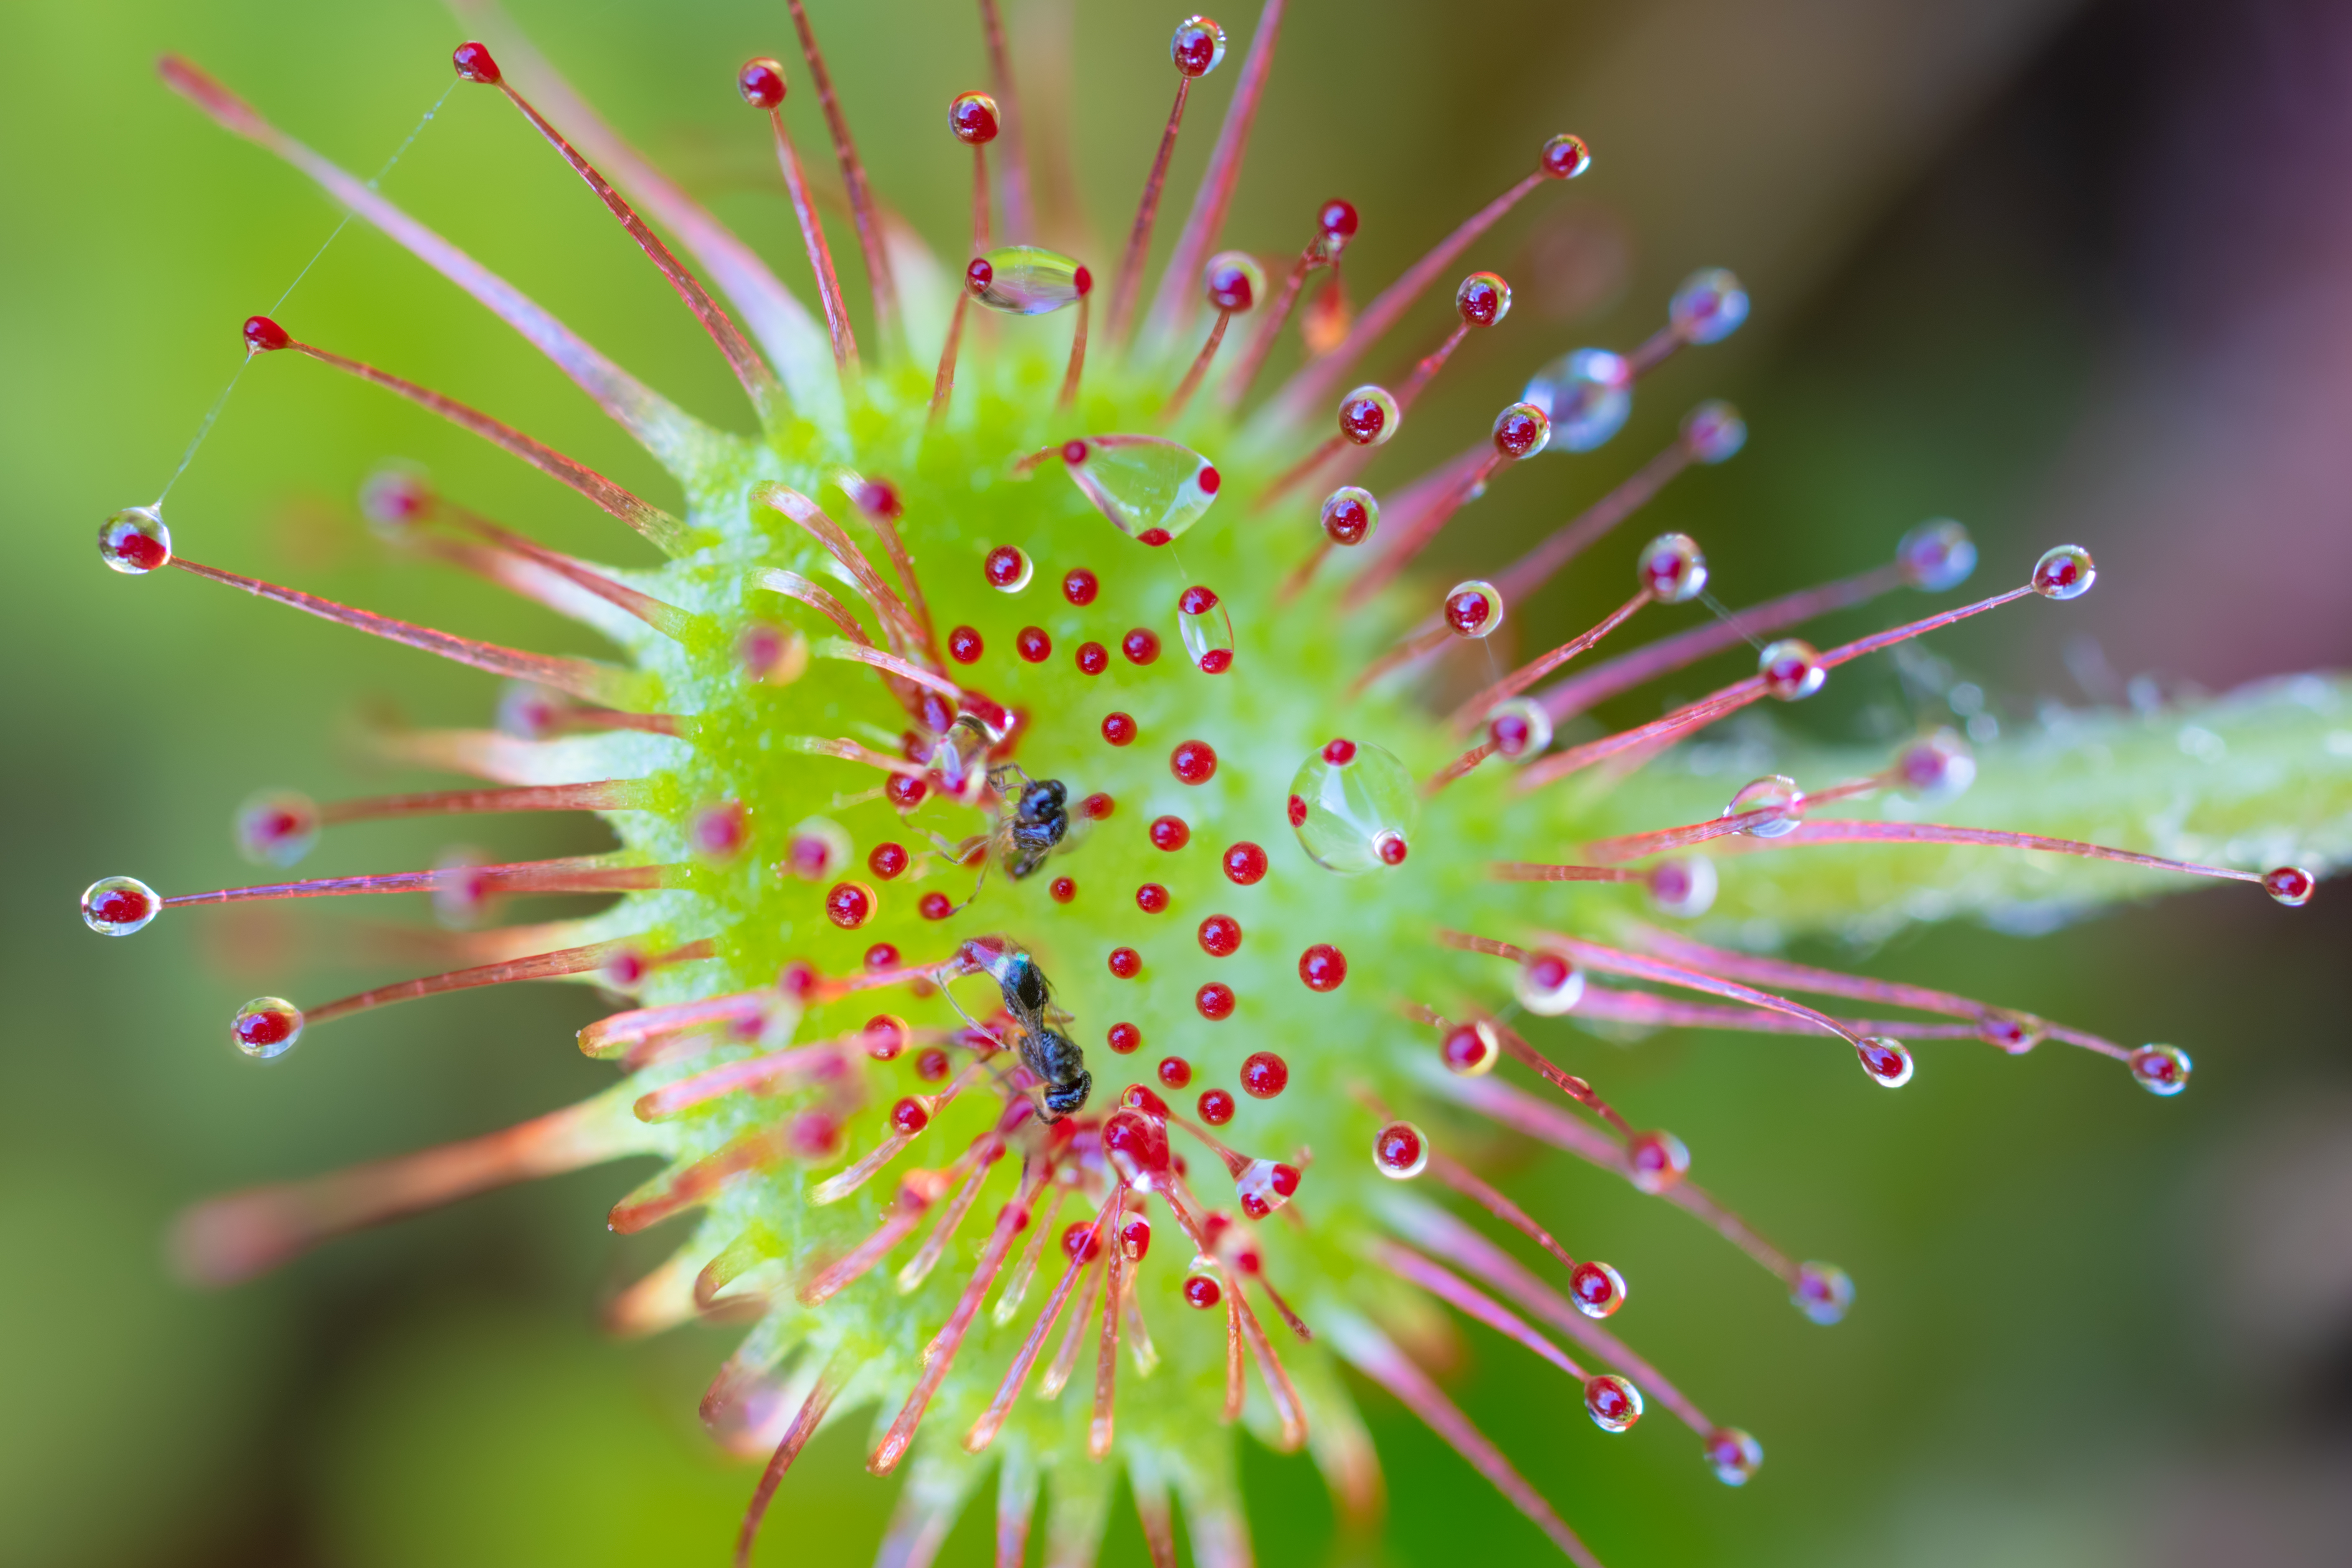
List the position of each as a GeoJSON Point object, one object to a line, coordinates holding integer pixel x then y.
{"type": "Point", "coordinates": [2061, 272]}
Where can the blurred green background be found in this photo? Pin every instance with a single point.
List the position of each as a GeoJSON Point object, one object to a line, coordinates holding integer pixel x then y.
{"type": "Point", "coordinates": [2058, 271]}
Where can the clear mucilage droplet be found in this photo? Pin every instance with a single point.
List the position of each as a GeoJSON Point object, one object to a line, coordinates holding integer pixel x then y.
{"type": "Point", "coordinates": [276, 827]}
{"type": "Point", "coordinates": [1518, 728]}
{"type": "Point", "coordinates": [1207, 628]}
{"type": "Point", "coordinates": [2064, 571]}
{"type": "Point", "coordinates": [1776, 794]}
{"type": "Point", "coordinates": [1709, 307]}
{"type": "Point", "coordinates": [1151, 489]}
{"type": "Point", "coordinates": [1937, 556]}
{"type": "Point", "coordinates": [1233, 281]}
{"type": "Point", "coordinates": [1473, 609]}
{"type": "Point", "coordinates": [1586, 395]}
{"type": "Point", "coordinates": [266, 1026]}
{"type": "Point", "coordinates": [1937, 766]}
{"type": "Point", "coordinates": [1713, 432]}
{"type": "Point", "coordinates": [1613, 1404]}
{"type": "Point", "coordinates": [117, 906]}
{"type": "Point", "coordinates": [134, 540]}
{"type": "Point", "coordinates": [1792, 668]}
{"type": "Point", "coordinates": [2160, 1069]}
{"type": "Point", "coordinates": [1684, 887]}
{"type": "Point", "coordinates": [1354, 808]}
{"type": "Point", "coordinates": [1029, 281]}
{"type": "Point", "coordinates": [1550, 985]}
{"type": "Point", "coordinates": [1824, 1292]}
{"type": "Point", "coordinates": [1350, 515]}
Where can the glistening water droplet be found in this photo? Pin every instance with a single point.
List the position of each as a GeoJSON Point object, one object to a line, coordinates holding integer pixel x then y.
{"type": "Point", "coordinates": [1684, 888]}
{"type": "Point", "coordinates": [1937, 766]}
{"type": "Point", "coordinates": [1656, 1161]}
{"type": "Point", "coordinates": [1350, 515]}
{"type": "Point", "coordinates": [2160, 1069]}
{"type": "Point", "coordinates": [1347, 813]}
{"type": "Point", "coordinates": [266, 1026]}
{"type": "Point", "coordinates": [1792, 668]}
{"type": "Point", "coordinates": [1586, 394]}
{"type": "Point", "coordinates": [276, 827]}
{"type": "Point", "coordinates": [1613, 1404]}
{"type": "Point", "coordinates": [1822, 1292]}
{"type": "Point", "coordinates": [1596, 1288]}
{"type": "Point", "coordinates": [1150, 488]}
{"type": "Point", "coordinates": [1472, 608]}
{"type": "Point", "coordinates": [1518, 728]}
{"type": "Point", "coordinates": [1937, 556]}
{"type": "Point", "coordinates": [1399, 1152]}
{"type": "Point", "coordinates": [1549, 985]}
{"type": "Point", "coordinates": [1709, 307]}
{"type": "Point", "coordinates": [1027, 280]}
{"type": "Point", "coordinates": [134, 540]}
{"type": "Point", "coordinates": [117, 906]}
{"type": "Point", "coordinates": [1673, 568]}
{"type": "Point", "coordinates": [1207, 628]}
{"type": "Point", "coordinates": [1713, 432]}
{"type": "Point", "coordinates": [2064, 571]}
{"type": "Point", "coordinates": [1776, 794]}
{"type": "Point", "coordinates": [1886, 1060]}
{"type": "Point", "coordinates": [1733, 1455]}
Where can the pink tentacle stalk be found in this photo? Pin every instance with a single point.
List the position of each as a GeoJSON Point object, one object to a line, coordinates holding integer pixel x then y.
{"type": "Point", "coordinates": [658, 425]}
{"type": "Point", "coordinates": [1832, 831]}
{"type": "Point", "coordinates": [918, 1191]}
{"type": "Point", "coordinates": [762, 86]}
{"type": "Point", "coordinates": [1238, 382]}
{"type": "Point", "coordinates": [1450, 489]}
{"type": "Point", "coordinates": [1436, 1231]}
{"type": "Point", "coordinates": [575, 874]}
{"type": "Point", "coordinates": [758, 379]}
{"type": "Point", "coordinates": [1013, 183]}
{"type": "Point", "coordinates": [810, 1416]}
{"type": "Point", "coordinates": [862, 205]}
{"type": "Point", "coordinates": [976, 1163]}
{"type": "Point", "coordinates": [226, 1240]}
{"type": "Point", "coordinates": [1578, 693]}
{"type": "Point", "coordinates": [1017, 1477]}
{"type": "Point", "coordinates": [1538, 566]}
{"type": "Point", "coordinates": [1199, 368]}
{"type": "Point", "coordinates": [1171, 302]}
{"type": "Point", "coordinates": [662, 530]}
{"type": "Point", "coordinates": [792, 586]}
{"type": "Point", "coordinates": [1458, 1293]}
{"type": "Point", "coordinates": [763, 1074]}
{"type": "Point", "coordinates": [908, 1119]}
{"type": "Point", "coordinates": [1731, 698]}
{"type": "Point", "coordinates": [538, 966]}
{"type": "Point", "coordinates": [1129, 287]}
{"type": "Point", "coordinates": [1473, 712]}
{"type": "Point", "coordinates": [1016, 1284]}
{"type": "Point", "coordinates": [1314, 383]}
{"type": "Point", "coordinates": [675, 624]}
{"type": "Point", "coordinates": [1099, 1427]}
{"type": "Point", "coordinates": [585, 679]}
{"type": "Point", "coordinates": [780, 322]}
{"type": "Point", "coordinates": [1371, 1352]}
{"type": "Point", "coordinates": [1068, 398]}
{"type": "Point", "coordinates": [1650, 1009]}
{"type": "Point", "coordinates": [1522, 1112]}
{"type": "Point", "coordinates": [610, 1036]}
{"type": "Point", "coordinates": [944, 1345]}
{"type": "Point", "coordinates": [605, 794]}
{"type": "Point", "coordinates": [899, 623]}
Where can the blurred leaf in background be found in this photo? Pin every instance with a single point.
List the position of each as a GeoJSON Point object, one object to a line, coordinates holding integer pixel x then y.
{"type": "Point", "coordinates": [2054, 270]}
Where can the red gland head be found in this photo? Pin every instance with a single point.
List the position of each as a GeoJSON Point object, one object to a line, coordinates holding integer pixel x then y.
{"type": "Point", "coordinates": [2065, 572]}
{"type": "Point", "coordinates": [134, 541]}
{"type": "Point", "coordinates": [1613, 1404]}
{"type": "Point", "coordinates": [1522, 430]}
{"type": "Point", "coordinates": [1473, 609]}
{"type": "Point", "coordinates": [1135, 1238]}
{"type": "Point", "coordinates": [978, 275]}
{"type": "Point", "coordinates": [1170, 833]}
{"type": "Point", "coordinates": [879, 497]}
{"type": "Point", "coordinates": [1083, 281]}
{"type": "Point", "coordinates": [1471, 1050]}
{"type": "Point", "coordinates": [1193, 762]}
{"type": "Point", "coordinates": [886, 1037]}
{"type": "Point", "coordinates": [1340, 752]}
{"type": "Point", "coordinates": [1369, 416]}
{"type": "Point", "coordinates": [1565, 156]}
{"type": "Point", "coordinates": [1197, 46]}
{"type": "Point", "coordinates": [474, 64]}
{"type": "Point", "coordinates": [972, 117]}
{"type": "Point", "coordinates": [1062, 889]}
{"type": "Point", "coordinates": [935, 907]}
{"type": "Point", "coordinates": [1097, 806]}
{"type": "Point", "coordinates": [886, 860]}
{"type": "Point", "coordinates": [1197, 600]}
{"type": "Point", "coordinates": [908, 1117]}
{"type": "Point", "coordinates": [1033, 644]}
{"type": "Point", "coordinates": [1655, 1162]}
{"type": "Point", "coordinates": [1350, 515]}
{"type": "Point", "coordinates": [1007, 569]}
{"type": "Point", "coordinates": [119, 906]}
{"type": "Point", "coordinates": [850, 905]}
{"type": "Point", "coordinates": [1245, 865]}
{"type": "Point", "coordinates": [1119, 729]}
{"type": "Point", "coordinates": [1792, 668]}
{"type": "Point", "coordinates": [1201, 1292]}
{"type": "Point", "coordinates": [1672, 568]}
{"type": "Point", "coordinates": [1214, 1002]}
{"type": "Point", "coordinates": [2290, 885]}
{"type": "Point", "coordinates": [1175, 1072]}
{"type": "Point", "coordinates": [1322, 967]}
{"type": "Point", "coordinates": [761, 82]}
{"type": "Point", "coordinates": [1596, 1288]}
{"type": "Point", "coordinates": [1091, 658]}
{"type": "Point", "coordinates": [1125, 1038]}
{"type": "Point", "coordinates": [1483, 300]}
{"type": "Point", "coordinates": [1221, 936]}
{"type": "Point", "coordinates": [1265, 1075]}
{"type": "Point", "coordinates": [1231, 282]}
{"type": "Point", "coordinates": [965, 645]}
{"type": "Point", "coordinates": [1399, 1152]}
{"type": "Point", "coordinates": [1079, 586]}
{"type": "Point", "coordinates": [932, 1065]}
{"type": "Point", "coordinates": [263, 335]}
{"type": "Point", "coordinates": [1216, 1107]}
{"type": "Point", "coordinates": [1125, 964]}
{"type": "Point", "coordinates": [1337, 221]}
{"type": "Point", "coordinates": [1140, 645]}
{"type": "Point", "coordinates": [1151, 898]}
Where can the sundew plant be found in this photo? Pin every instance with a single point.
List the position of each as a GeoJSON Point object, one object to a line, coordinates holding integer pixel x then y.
{"type": "Point", "coordinates": [1082, 908]}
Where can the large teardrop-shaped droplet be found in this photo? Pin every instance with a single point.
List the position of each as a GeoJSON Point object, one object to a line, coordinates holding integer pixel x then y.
{"type": "Point", "coordinates": [266, 1026]}
{"type": "Point", "coordinates": [1354, 808]}
{"type": "Point", "coordinates": [1586, 395]}
{"type": "Point", "coordinates": [1207, 628]}
{"type": "Point", "coordinates": [1150, 488]}
{"type": "Point", "coordinates": [134, 540]}
{"type": "Point", "coordinates": [117, 906]}
{"type": "Point", "coordinates": [1027, 280]}
{"type": "Point", "coordinates": [1613, 1404]}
